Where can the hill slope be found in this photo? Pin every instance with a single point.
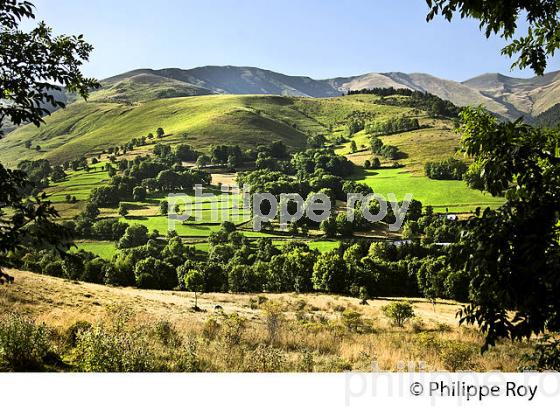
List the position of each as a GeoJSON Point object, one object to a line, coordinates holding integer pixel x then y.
{"type": "Point", "coordinates": [89, 127]}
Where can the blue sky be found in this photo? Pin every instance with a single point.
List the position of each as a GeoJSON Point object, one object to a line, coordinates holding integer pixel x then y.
{"type": "Point", "coordinates": [320, 39]}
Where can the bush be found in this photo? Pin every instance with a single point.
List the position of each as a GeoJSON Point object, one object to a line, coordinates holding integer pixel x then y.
{"type": "Point", "coordinates": [24, 345]}
{"type": "Point", "coordinates": [457, 355]}
{"type": "Point", "coordinates": [399, 312]}
{"type": "Point", "coordinates": [265, 359]}
{"type": "Point", "coordinates": [105, 350]}
{"type": "Point", "coordinates": [233, 327]}
{"type": "Point", "coordinates": [54, 269]}
{"type": "Point", "coordinates": [74, 330]}
{"type": "Point", "coordinates": [167, 334]}
{"type": "Point", "coordinates": [546, 356]}
{"type": "Point", "coordinates": [274, 318]}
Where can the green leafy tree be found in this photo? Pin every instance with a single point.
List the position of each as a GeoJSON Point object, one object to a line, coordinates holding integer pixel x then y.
{"type": "Point", "coordinates": [91, 211]}
{"type": "Point", "coordinates": [151, 273]}
{"type": "Point", "coordinates": [512, 254]}
{"type": "Point", "coordinates": [135, 235]}
{"type": "Point", "coordinates": [399, 312]}
{"type": "Point", "coordinates": [329, 273]}
{"type": "Point", "coordinates": [329, 227]}
{"type": "Point", "coordinates": [123, 209]}
{"type": "Point", "coordinates": [35, 64]}
{"type": "Point", "coordinates": [503, 17]}
{"type": "Point", "coordinates": [202, 161]}
{"type": "Point", "coordinates": [194, 281]}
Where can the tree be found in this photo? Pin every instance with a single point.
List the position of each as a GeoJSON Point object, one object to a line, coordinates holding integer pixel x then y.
{"type": "Point", "coordinates": [502, 17]}
{"type": "Point", "coordinates": [344, 227]}
{"type": "Point", "coordinates": [160, 133]}
{"type": "Point", "coordinates": [375, 163]}
{"type": "Point", "coordinates": [278, 149]}
{"type": "Point", "coordinates": [28, 144]}
{"type": "Point", "coordinates": [353, 146]}
{"type": "Point", "coordinates": [329, 273]}
{"type": "Point", "coordinates": [91, 211]}
{"type": "Point", "coordinates": [399, 312]}
{"type": "Point", "coordinates": [329, 227]}
{"type": "Point", "coordinates": [194, 281]}
{"type": "Point", "coordinates": [202, 161]}
{"type": "Point", "coordinates": [512, 254]}
{"type": "Point", "coordinates": [184, 152]}
{"type": "Point", "coordinates": [139, 193]}
{"type": "Point", "coordinates": [123, 209]}
{"type": "Point", "coordinates": [163, 207]}
{"type": "Point", "coordinates": [151, 273]}
{"type": "Point", "coordinates": [34, 64]}
{"type": "Point", "coordinates": [135, 235]}
{"type": "Point", "coordinates": [58, 174]}
{"type": "Point", "coordinates": [24, 220]}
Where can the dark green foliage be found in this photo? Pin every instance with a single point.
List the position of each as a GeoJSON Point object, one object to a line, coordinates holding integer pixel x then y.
{"type": "Point", "coordinates": [152, 273]}
{"type": "Point", "coordinates": [546, 356]}
{"type": "Point", "coordinates": [387, 151]}
{"type": "Point", "coordinates": [24, 345]}
{"type": "Point", "coordinates": [502, 17]}
{"type": "Point", "coordinates": [448, 169]}
{"type": "Point", "coordinates": [321, 160]}
{"type": "Point", "coordinates": [392, 126]}
{"type": "Point", "coordinates": [36, 63]}
{"type": "Point", "coordinates": [512, 254]}
{"type": "Point", "coordinates": [329, 273]}
{"type": "Point", "coordinates": [135, 235]}
{"type": "Point", "coordinates": [550, 118]}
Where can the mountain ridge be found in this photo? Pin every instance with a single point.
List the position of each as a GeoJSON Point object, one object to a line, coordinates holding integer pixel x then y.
{"type": "Point", "coordinates": [508, 97]}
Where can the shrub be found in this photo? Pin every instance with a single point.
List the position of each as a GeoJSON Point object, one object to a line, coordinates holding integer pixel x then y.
{"type": "Point", "coordinates": [274, 318]}
{"type": "Point", "coordinates": [74, 330]}
{"type": "Point", "coordinates": [211, 328]}
{"type": "Point", "coordinates": [105, 350]}
{"type": "Point", "coordinates": [450, 169]}
{"type": "Point", "coordinates": [233, 328]}
{"type": "Point", "coordinates": [457, 355]}
{"type": "Point", "coordinates": [24, 345]}
{"type": "Point", "coordinates": [54, 269]}
{"type": "Point", "coordinates": [265, 359]}
{"type": "Point", "coordinates": [399, 312]}
{"type": "Point", "coordinates": [546, 355]}
{"type": "Point", "coordinates": [167, 334]}
{"type": "Point", "coordinates": [307, 362]}
{"type": "Point", "coordinates": [189, 359]}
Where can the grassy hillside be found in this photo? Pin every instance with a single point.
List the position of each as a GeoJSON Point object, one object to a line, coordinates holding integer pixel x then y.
{"type": "Point", "coordinates": [314, 332]}
{"type": "Point", "coordinates": [89, 127]}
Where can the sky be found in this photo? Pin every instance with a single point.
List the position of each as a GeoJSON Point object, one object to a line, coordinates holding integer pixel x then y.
{"type": "Point", "coordinates": [316, 38]}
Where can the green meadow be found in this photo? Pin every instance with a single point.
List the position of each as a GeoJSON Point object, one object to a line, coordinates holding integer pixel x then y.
{"type": "Point", "coordinates": [455, 196]}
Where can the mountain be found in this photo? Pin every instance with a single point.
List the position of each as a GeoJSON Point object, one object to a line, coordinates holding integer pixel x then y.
{"type": "Point", "coordinates": [506, 96]}
{"type": "Point", "coordinates": [223, 107]}
{"type": "Point", "coordinates": [531, 96]}
{"type": "Point", "coordinates": [227, 80]}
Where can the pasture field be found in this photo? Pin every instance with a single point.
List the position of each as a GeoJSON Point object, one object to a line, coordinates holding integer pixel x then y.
{"type": "Point", "coordinates": [455, 196]}
{"type": "Point", "coordinates": [104, 249]}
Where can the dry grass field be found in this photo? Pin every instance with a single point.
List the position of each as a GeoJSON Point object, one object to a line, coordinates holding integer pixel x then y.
{"type": "Point", "coordinates": [258, 332]}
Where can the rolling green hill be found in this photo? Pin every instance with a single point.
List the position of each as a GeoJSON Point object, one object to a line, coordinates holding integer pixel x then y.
{"type": "Point", "coordinates": [86, 128]}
